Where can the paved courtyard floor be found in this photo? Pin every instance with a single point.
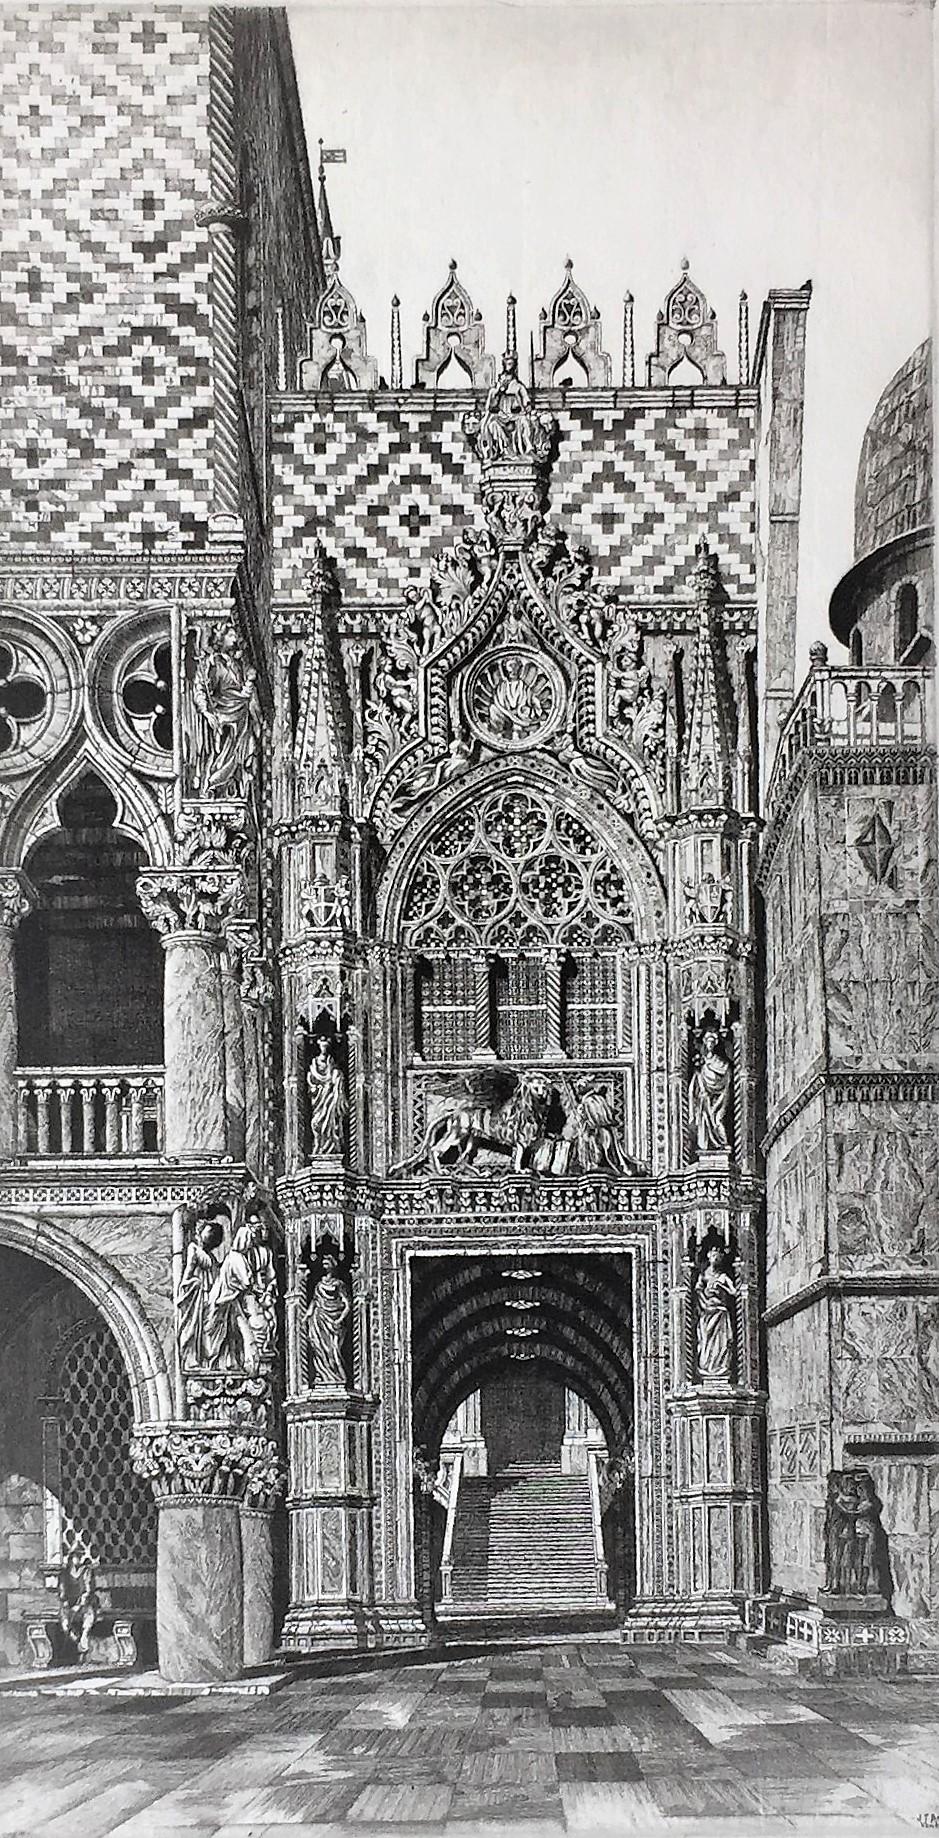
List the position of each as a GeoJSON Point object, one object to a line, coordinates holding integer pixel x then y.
{"type": "Point", "coordinates": [529, 1740]}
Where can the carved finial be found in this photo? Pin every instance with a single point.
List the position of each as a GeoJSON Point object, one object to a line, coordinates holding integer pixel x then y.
{"type": "Point", "coordinates": [743, 339]}
{"type": "Point", "coordinates": [454, 354]}
{"type": "Point", "coordinates": [571, 339]}
{"type": "Point", "coordinates": [818, 655]}
{"type": "Point", "coordinates": [395, 342]}
{"type": "Point", "coordinates": [684, 264]}
{"type": "Point", "coordinates": [327, 232]}
{"type": "Point", "coordinates": [629, 345]}
{"type": "Point", "coordinates": [686, 352]}
{"type": "Point", "coordinates": [511, 342]}
{"type": "Point", "coordinates": [281, 350]}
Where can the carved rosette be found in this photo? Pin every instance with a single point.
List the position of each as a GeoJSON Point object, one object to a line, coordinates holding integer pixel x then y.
{"type": "Point", "coordinates": [179, 900]}
{"type": "Point", "coordinates": [186, 1462]}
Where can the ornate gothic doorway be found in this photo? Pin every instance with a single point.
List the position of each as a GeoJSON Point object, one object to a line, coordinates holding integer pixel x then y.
{"type": "Point", "coordinates": [523, 1433]}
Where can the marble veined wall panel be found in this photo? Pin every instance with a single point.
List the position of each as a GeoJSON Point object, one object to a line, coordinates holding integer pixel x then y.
{"type": "Point", "coordinates": [795, 1208]}
{"type": "Point", "coordinates": [883, 1186]}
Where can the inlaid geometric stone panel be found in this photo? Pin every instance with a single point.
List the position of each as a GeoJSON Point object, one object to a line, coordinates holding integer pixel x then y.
{"type": "Point", "coordinates": [387, 487]}
{"type": "Point", "coordinates": [106, 348]}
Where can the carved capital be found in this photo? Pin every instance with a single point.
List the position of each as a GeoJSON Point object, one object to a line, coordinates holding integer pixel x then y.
{"type": "Point", "coordinates": [213, 836]}
{"type": "Point", "coordinates": [193, 1462]}
{"type": "Point", "coordinates": [17, 897]}
{"type": "Point", "coordinates": [179, 900]}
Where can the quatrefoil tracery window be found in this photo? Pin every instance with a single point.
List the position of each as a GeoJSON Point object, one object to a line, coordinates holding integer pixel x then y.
{"type": "Point", "coordinates": [147, 697]}
{"type": "Point", "coordinates": [23, 698]}
{"type": "Point", "coordinates": [514, 874]}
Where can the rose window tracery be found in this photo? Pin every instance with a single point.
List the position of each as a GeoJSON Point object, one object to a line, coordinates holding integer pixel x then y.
{"type": "Point", "coordinates": [23, 699]}
{"type": "Point", "coordinates": [514, 874]}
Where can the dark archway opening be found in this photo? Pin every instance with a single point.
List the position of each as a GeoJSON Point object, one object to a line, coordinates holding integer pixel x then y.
{"type": "Point", "coordinates": [523, 1411]}
{"type": "Point", "coordinates": [67, 1488]}
{"type": "Point", "coordinates": [89, 969]}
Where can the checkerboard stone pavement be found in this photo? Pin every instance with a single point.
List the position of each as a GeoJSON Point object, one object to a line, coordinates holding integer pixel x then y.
{"type": "Point", "coordinates": [529, 1740]}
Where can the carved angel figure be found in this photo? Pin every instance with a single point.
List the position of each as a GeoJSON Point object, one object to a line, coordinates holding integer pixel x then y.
{"type": "Point", "coordinates": [716, 1297]}
{"type": "Point", "coordinates": [326, 1320]}
{"type": "Point", "coordinates": [227, 723]}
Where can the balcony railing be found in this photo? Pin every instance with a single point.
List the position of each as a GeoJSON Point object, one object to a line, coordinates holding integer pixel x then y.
{"type": "Point", "coordinates": [861, 708]}
{"type": "Point", "coordinates": [84, 1111]}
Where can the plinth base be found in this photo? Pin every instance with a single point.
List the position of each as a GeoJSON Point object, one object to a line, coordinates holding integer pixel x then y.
{"type": "Point", "coordinates": [660, 1620]}
{"type": "Point", "coordinates": [316, 1628]}
{"type": "Point", "coordinates": [835, 1637]}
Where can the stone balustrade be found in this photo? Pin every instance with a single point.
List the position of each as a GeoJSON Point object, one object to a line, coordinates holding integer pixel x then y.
{"type": "Point", "coordinates": [846, 709]}
{"type": "Point", "coordinates": [84, 1111]}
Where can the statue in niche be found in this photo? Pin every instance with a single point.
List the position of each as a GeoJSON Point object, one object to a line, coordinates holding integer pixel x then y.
{"type": "Point", "coordinates": [326, 1323]}
{"type": "Point", "coordinates": [79, 1602]}
{"type": "Point", "coordinates": [225, 735]}
{"type": "Point", "coordinates": [195, 1287]}
{"type": "Point", "coordinates": [709, 1091]}
{"type": "Point", "coordinates": [855, 1544]}
{"type": "Point", "coordinates": [328, 1104]}
{"type": "Point", "coordinates": [716, 1299]}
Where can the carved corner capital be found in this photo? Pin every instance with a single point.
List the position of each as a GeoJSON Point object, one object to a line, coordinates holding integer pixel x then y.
{"type": "Point", "coordinates": [190, 1461]}
{"type": "Point", "coordinates": [18, 896]}
{"type": "Point", "coordinates": [183, 900]}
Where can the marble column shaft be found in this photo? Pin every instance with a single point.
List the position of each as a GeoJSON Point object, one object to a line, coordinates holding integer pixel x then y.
{"type": "Point", "coordinates": [16, 898]}
{"type": "Point", "coordinates": [194, 1045]}
{"type": "Point", "coordinates": [200, 1625]}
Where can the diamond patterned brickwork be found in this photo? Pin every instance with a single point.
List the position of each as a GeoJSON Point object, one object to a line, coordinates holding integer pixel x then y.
{"type": "Point", "coordinates": [105, 353]}
{"type": "Point", "coordinates": [387, 485]}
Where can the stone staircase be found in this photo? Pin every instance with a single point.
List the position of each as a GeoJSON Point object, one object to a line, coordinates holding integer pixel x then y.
{"type": "Point", "coordinates": [524, 1545]}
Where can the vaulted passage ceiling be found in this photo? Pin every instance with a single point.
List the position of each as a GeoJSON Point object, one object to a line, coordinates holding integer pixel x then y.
{"type": "Point", "coordinates": [572, 1315]}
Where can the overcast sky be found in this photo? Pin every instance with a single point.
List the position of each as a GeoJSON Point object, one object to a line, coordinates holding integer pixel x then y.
{"type": "Point", "coordinates": [768, 143]}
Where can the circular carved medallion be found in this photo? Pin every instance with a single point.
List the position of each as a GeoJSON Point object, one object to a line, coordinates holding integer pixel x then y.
{"type": "Point", "coordinates": [514, 698]}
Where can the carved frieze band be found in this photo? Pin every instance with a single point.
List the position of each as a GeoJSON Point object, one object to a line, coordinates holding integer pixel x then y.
{"type": "Point", "coordinates": [881, 1087]}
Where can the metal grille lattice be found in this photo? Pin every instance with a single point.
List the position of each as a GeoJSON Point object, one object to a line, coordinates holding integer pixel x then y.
{"type": "Point", "coordinates": [107, 1512]}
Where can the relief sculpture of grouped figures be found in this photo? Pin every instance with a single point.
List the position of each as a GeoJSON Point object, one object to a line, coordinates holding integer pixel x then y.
{"type": "Point", "coordinates": [709, 1094]}
{"type": "Point", "coordinates": [530, 1122]}
{"type": "Point", "coordinates": [856, 1558]}
{"type": "Point", "coordinates": [715, 1295]}
{"type": "Point", "coordinates": [226, 1308]}
{"type": "Point", "coordinates": [327, 1325]}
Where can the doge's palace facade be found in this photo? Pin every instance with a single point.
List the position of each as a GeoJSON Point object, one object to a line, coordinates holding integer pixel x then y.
{"type": "Point", "coordinates": [385, 774]}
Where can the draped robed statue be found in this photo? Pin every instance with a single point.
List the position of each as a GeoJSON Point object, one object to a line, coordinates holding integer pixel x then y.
{"type": "Point", "coordinates": [326, 1325]}
{"type": "Point", "coordinates": [716, 1299]}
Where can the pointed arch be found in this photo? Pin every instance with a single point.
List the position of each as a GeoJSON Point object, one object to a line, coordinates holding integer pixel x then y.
{"type": "Point", "coordinates": [526, 773]}
{"type": "Point", "coordinates": [36, 812]}
{"type": "Point", "coordinates": [108, 1291]}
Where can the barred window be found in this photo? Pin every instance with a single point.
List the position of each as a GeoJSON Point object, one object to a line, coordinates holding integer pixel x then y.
{"type": "Point", "coordinates": [444, 1002]}
{"type": "Point", "coordinates": [591, 1007]}
{"type": "Point", "coordinates": [108, 1514]}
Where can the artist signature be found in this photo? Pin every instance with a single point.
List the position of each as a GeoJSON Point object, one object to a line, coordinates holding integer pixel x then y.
{"type": "Point", "coordinates": [929, 1821]}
